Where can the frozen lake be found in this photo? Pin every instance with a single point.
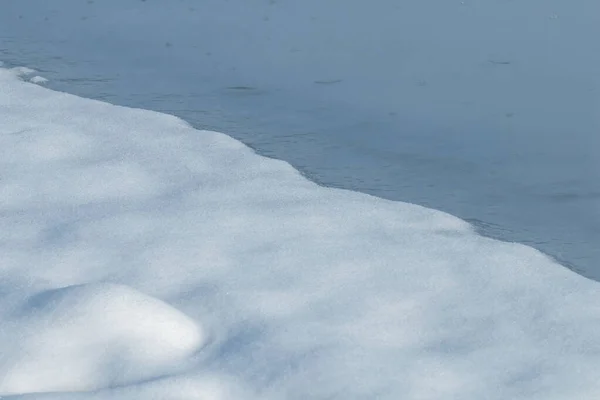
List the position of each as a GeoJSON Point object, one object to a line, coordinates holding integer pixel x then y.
{"type": "Point", "coordinates": [487, 110]}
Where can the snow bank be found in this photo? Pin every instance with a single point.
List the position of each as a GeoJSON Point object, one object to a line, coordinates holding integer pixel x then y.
{"type": "Point", "coordinates": [140, 258]}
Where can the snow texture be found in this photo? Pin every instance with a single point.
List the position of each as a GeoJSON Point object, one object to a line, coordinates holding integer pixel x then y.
{"type": "Point", "coordinates": [38, 79]}
{"type": "Point", "coordinates": [140, 258]}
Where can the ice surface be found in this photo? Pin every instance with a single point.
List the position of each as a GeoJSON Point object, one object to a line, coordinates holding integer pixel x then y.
{"type": "Point", "coordinates": [140, 258]}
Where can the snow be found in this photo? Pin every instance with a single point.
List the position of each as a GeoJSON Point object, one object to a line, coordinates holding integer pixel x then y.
{"type": "Point", "coordinates": [141, 258]}
{"type": "Point", "coordinates": [110, 328]}
{"type": "Point", "coordinates": [38, 79]}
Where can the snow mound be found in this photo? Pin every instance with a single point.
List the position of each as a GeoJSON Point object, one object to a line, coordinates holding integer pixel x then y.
{"type": "Point", "coordinates": [85, 337]}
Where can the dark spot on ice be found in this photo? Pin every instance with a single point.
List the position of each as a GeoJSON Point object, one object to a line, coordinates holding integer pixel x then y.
{"type": "Point", "coordinates": [328, 82]}
{"type": "Point", "coordinates": [566, 197]}
{"type": "Point", "coordinates": [243, 88]}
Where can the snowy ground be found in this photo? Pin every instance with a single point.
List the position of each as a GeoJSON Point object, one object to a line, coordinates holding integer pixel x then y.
{"type": "Point", "coordinates": [140, 258]}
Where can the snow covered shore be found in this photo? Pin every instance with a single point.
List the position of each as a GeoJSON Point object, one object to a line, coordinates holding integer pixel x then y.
{"type": "Point", "coordinates": [140, 258]}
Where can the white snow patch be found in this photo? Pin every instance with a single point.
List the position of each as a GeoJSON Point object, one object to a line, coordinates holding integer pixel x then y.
{"type": "Point", "coordinates": [92, 336]}
{"type": "Point", "coordinates": [193, 387]}
{"type": "Point", "coordinates": [23, 71]}
{"type": "Point", "coordinates": [307, 292]}
{"type": "Point", "coordinates": [38, 79]}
